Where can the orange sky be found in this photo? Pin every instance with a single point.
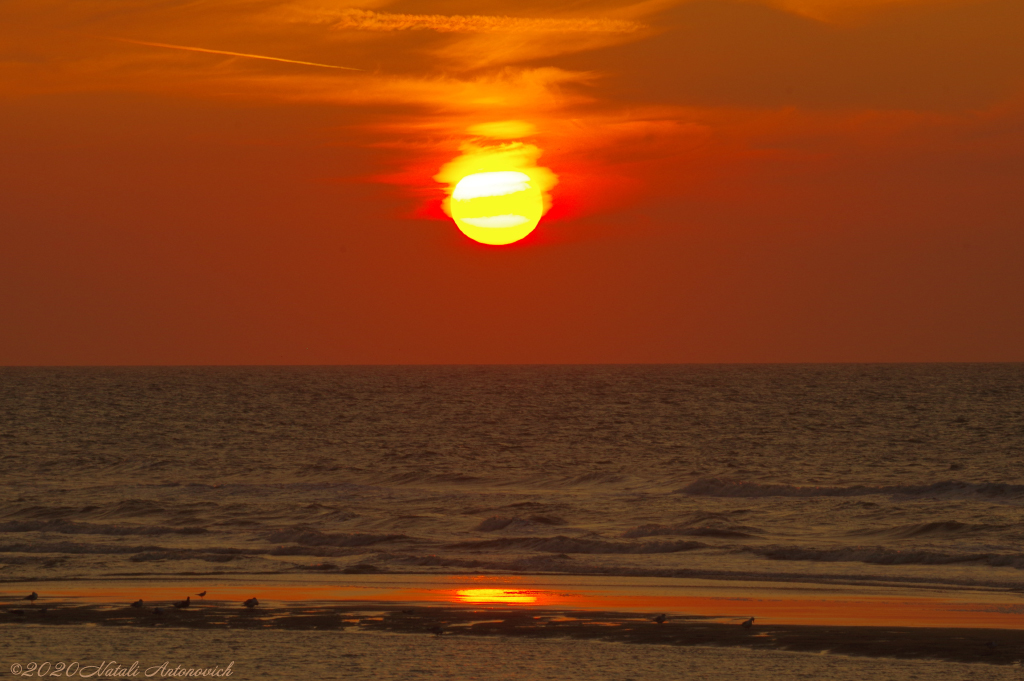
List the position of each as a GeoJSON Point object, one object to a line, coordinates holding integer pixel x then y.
{"type": "Point", "coordinates": [760, 181]}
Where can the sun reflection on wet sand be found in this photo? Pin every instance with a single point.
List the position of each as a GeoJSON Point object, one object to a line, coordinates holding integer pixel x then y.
{"type": "Point", "coordinates": [504, 596]}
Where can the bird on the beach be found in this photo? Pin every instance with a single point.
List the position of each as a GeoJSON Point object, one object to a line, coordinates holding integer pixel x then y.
{"type": "Point", "coordinates": [202, 595]}
{"type": "Point", "coordinates": [251, 603]}
{"type": "Point", "coordinates": [158, 612]}
{"type": "Point", "coordinates": [31, 597]}
{"type": "Point", "coordinates": [438, 630]}
{"type": "Point", "coordinates": [991, 644]}
{"type": "Point", "coordinates": [749, 623]}
{"type": "Point", "coordinates": [137, 604]}
{"type": "Point", "coordinates": [184, 604]}
{"type": "Point", "coordinates": [660, 618]}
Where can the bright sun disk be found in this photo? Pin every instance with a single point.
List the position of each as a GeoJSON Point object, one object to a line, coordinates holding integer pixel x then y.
{"type": "Point", "coordinates": [497, 208]}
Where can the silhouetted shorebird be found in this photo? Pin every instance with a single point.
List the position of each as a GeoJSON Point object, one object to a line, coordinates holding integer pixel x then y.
{"type": "Point", "coordinates": [749, 623]}
{"type": "Point", "coordinates": [31, 597]}
{"type": "Point", "coordinates": [202, 595]}
{"type": "Point", "coordinates": [157, 611]}
{"type": "Point", "coordinates": [660, 618]}
{"type": "Point", "coordinates": [137, 604]}
{"type": "Point", "coordinates": [251, 603]}
{"type": "Point", "coordinates": [184, 604]}
{"type": "Point", "coordinates": [438, 630]}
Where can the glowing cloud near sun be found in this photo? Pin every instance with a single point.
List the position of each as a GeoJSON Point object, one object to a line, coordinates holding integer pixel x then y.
{"type": "Point", "coordinates": [496, 191]}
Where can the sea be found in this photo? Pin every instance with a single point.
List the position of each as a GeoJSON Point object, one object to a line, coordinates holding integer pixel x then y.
{"type": "Point", "coordinates": [845, 473]}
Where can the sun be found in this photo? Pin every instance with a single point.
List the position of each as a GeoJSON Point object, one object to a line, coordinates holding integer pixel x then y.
{"type": "Point", "coordinates": [496, 191]}
{"type": "Point", "coordinates": [497, 208]}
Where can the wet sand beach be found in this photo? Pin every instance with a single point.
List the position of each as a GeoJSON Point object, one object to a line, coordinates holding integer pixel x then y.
{"type": "Point", "coordinates": [984, 627]}
{"type": "Point", "coordinates": [972, 645]}
{"type": "Point", "coordinates": [350, 655]}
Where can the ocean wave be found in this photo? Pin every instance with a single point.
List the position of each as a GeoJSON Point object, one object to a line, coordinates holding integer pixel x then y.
{"type": "Point", "coordinates": [324, 511]}
{"type": "Point", "coordinates": [208, 555]}
{"type": "Point", "coordinates": [314, 551]}
{"type": "Point", "coordinates": [43, 561]}
{"type": "Point", "coordinates": [418, 478]}
{"type": "Point", "coordinates": [126, 508]}
{"type": "Point", "coordinates": [133, 508]}
{"type": "Point", "coordinates": [562, 544]}
{"type": "Point", "coordinates": [70, 527]}
{"type": "Point", "coordinates": [496, 523]}
{"type": "Point", "coordinates": [76, 548]}
{"type": "Point", "coordinates": [723, 487]}
{"type": "Point", "coordinates": [876, 555]}
{"type": "Point", "coordinates": [943, 528]}
{"type": "Point", "coordinates": [654, 530]}
{"type": "Point", "coordinates": [44, 512]}
{"type": "Point", "coordinates": [308, 537]}
{"type": "Point", "coordinates": [527, 564]}
{"type": "Point", "coordinates": [595, 478]}
{"type": "Point", "coordinates": [134, 553]}
{"type": "Point", "coordinates": [434, 560]}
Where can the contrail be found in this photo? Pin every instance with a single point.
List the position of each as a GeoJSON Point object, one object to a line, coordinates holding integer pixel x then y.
{"type": "Point", "coordinates": [233, 54]}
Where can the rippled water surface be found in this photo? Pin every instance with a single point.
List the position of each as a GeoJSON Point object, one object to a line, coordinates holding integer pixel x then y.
{"type": "Point", "coordinates": [912, 473]}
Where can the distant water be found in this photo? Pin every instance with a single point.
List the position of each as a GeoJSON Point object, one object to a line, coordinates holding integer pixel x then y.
{"type": "Point", "coordinates": [908, 473]}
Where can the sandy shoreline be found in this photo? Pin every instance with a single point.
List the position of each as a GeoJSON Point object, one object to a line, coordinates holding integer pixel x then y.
{"type": "Point", "coordinates": [989, 646]}
{"type": "Point", "coordinates": [972, 626]}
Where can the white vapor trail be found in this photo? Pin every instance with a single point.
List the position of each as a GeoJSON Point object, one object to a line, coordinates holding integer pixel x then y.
{"type": "Point", "coordinates": [232, 54]}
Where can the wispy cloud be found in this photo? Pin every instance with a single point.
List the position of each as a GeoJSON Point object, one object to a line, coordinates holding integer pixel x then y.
{"type": "Point", "coordinates": [367, 20]}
